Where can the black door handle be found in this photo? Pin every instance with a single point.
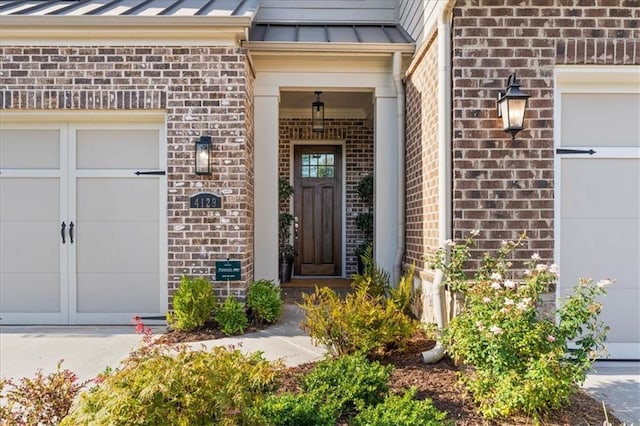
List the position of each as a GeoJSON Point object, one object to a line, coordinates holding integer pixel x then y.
{"type": "Point", "coordinates": [62, 228]}
{"type": "Point", "coordinates": [71, 232]}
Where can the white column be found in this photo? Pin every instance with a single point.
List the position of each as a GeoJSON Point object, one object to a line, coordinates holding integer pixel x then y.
{"type": "Point", "coordinates": [386, 179]}
{"type": "Point", "coordinates": [265, 183]}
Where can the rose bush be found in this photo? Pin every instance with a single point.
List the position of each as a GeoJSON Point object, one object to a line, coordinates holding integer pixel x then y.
{"type": "Point", "coordinates": [521, 359]}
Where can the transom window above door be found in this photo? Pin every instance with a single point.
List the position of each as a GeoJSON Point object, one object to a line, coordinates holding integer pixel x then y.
{"type": "Point", "coordinates": [318, 165]}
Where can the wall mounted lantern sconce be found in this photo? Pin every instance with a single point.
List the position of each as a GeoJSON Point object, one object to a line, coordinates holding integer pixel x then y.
{"type": "Point", "coordinates": [203, 155]}
{"type": "Point", "coordinates": [512, 105]}
{"type": "Point", "coordinates": [317, 114]}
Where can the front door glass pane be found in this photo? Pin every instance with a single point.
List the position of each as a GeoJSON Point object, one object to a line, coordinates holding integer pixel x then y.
{"type": "Point", "coordinates": [318, 166]}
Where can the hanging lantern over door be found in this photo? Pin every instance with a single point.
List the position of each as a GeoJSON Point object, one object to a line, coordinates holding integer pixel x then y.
{"type": "Point", "coordinates": [317, 114]}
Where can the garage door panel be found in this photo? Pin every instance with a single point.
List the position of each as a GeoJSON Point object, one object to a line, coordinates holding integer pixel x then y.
{"type": "Point", "coordinates": [600, 119]}
{"type": "Point", "coordinates": [593, 248]}
{"type": "Point", "coordinates": [30, 247]}
{"type": "Point", "coordinates": [81, 173]}
{"type": "Point", "coordinates": [604, 188]}
{"type": "Point", "coordinates": [26, 199]}
{"type": "Point", "coordinates": [117, 293]}
{"type": "Point", "coordinates": [116, 199]}
{"type": "Point", "coordinates": [620, 308]}
{"type": "Point", "coordinates": [117, 149]}
{"type": "Point", "coordinates": [29, 292]}
{"type": "Point", "coordinates": [597, 203]}
{"type": "Point", "coordinates": [29, 149]}
{"type": "Point", "coordinates": [125, 247]}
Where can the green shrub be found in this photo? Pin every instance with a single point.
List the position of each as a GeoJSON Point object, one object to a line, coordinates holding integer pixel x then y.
{"type": "Point", "coordinates": [374, 279]}
{"type": "Point", "coordinates": [349, 382]}
{"type": "Point", "coordinates": [41, 400]}
{"type": "Point", "coordinates": [297, 409]}
{"type": "Point", "coordinates": [231, 317]}
{"type": "Point", "coordinates": [403, 295]}
{"type": "Point", "coordinates": [360, 322]}
{"type": "Point", "coordinates": [521, 359]}
{"type": "Point", "coordinates": [402, 410]}
{"type": "Point", "coordinates": [193, 304]}
{"type": "Point", "coordinates": [157, 386]}
{"type": "Point", "coordinates": [264, 302]}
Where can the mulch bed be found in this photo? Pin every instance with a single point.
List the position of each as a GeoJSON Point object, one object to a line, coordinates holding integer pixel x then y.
{"type": "Point", "coordinates": [439, 383]}
{"type": "Point", "coordinates": [435, 381]}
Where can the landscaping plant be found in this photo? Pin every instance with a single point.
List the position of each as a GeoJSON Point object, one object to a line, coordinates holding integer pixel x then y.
{"type": "Point", "coordinates": [290, 409]}
{"type": "Point", "coordinates": [373, 278]}
{"type": "Point", "coordinates": [193, 304]}
{"type": "Point", "coordinates": [264, 302]}
{"type": "Point", "coordinates": [359, 323]}
{"type": "Point", "coordinates": [350, 382]}
{"type": "Point", "coordinates": [41, 400]}
{"type": "Point", "coordinates": [522, 360]}
{"type": "Point", "coordinates": [158, 386]}
{"type": "Point", "coordinates": [232, 317]}
{"type": "Point", "coordinates": [401, 410]}
{"type": "Point", "coordinates": [335, 388]}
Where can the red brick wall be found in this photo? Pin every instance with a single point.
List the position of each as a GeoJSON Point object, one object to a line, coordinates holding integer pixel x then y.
{"type": "Point", "coordinates": [422, 156]}
{"type": "Point", "coordinates": [503, 187]}
{"type": "Point", "coordinates": [358, 138]}
{"type": "Point", "coordinates": [204, 91]}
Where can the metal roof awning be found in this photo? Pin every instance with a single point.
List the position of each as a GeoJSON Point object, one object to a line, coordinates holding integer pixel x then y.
{"type": "Point", "coordinates": [329, 33]}
{"type": "Point", "coordinates": [330, 37]}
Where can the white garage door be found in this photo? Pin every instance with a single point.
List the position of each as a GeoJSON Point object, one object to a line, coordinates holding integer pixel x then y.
{"type": "Point", "coordinates": [598, 199]}
{"type": "Point", "coordinates": [81, 234]}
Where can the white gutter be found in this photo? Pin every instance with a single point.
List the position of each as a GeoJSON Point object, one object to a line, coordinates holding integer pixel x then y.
{"type": "Point", "coordinates": [400, 144]}
{"type": "Point", "coordinates": [444, 167]}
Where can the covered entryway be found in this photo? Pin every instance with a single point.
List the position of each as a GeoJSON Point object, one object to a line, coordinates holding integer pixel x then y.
{"type": "Point", "coordinates": [318, 207]}
{"type": "Point", "coordinates": [598, 196]}
{"type": "Point", "coordinates": [82, 222]}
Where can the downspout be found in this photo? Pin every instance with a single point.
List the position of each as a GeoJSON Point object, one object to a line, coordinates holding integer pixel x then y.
{"type": "Point", "coordinates": [400, 128]}
{"type": "Point", "coordinates": [444, 166]}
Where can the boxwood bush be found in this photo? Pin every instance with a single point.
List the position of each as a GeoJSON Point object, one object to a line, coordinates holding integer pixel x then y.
{"type": "Point", "coordinates": [264, 302]}
{"type": "Point", "coordinates": [193, 304]}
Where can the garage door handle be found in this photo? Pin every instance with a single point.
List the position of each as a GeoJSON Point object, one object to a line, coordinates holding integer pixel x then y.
{"type": "Point", "coordinates": [575, 151]}
{"type": "Point", "coordinates": [71, 232]}
{"type": "Point", "coordinates": [62, 228]}
{"type": "Point", "coordinates": [155, 172]}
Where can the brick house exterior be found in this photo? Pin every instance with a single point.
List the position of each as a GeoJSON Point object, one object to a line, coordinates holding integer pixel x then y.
{"type": "Point", "coordinates": [426, 125]}
{"type": "Point", "coordinates": [203, 91]}
{"type": "Point", "coordinates": [503, 187]}
{"type": "Point", "coordinates": [500, 186]}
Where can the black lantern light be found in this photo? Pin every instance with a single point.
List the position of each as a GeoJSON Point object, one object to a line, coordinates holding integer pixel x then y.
{"type": "Point", "coordinates": [203, 155]}
{"type": "Point", "coordinates": [512, 105]}
{"type": "Point", "coordinates": [317, 114]}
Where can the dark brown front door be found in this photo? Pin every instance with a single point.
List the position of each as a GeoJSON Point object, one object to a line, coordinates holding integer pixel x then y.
{"type": "Point", "coordinates": [318, 206]}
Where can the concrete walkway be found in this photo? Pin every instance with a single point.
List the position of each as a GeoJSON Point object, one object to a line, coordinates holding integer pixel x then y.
{"type": "Point", "coordinates": [87, 350]}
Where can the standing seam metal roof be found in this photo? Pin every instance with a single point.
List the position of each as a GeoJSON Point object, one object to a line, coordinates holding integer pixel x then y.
{"type": "Point", "coordinates": [128, 7]}
{"type": "Point", "coordinates": [329, 33]}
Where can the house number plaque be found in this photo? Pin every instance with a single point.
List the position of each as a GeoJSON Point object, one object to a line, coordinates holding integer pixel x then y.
{"type": "Point", "coordinates": [205, 200]}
